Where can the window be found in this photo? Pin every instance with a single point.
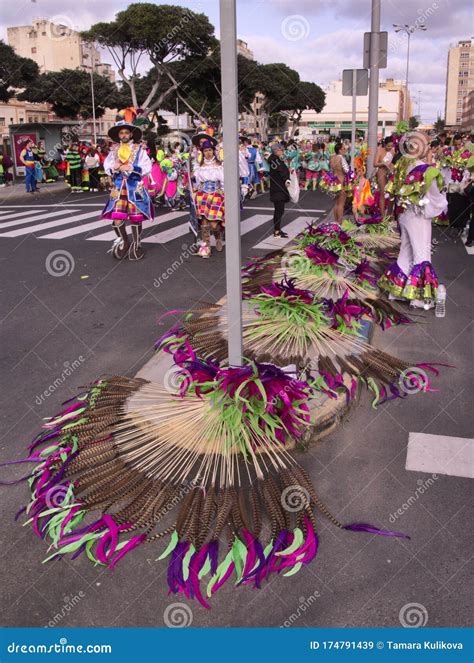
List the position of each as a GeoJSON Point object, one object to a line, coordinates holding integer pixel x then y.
{"type": "Point", "coordinates": [44, 34]}
{"type": "Point", "coordinates": [33, 50]}
{"type": "Point", "coordinates": [2, 121]}
{"type": "Point", "coordinates": [30, 119]}
{"type": "Point", "coordinates": [21, 120]}
{"type": "Point", "coordinates": [35, 118]}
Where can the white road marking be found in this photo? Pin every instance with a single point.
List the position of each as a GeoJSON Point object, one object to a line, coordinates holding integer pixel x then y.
{"type": "Point", "coordinates": [440, 454]}
{"type": "Point", "coordinates": [292, 229]}
{"type": "Point", "coordinates": [289, 209]}
{"type": "Point", "coordinates": [50, 224]}
{"type": "Point", "coordinates": [74, 204]}
{"type": "Point", "coordinates": [78, 230]}
{"type": "Point", "coordinates": [8, 214]}
{"type": "Point", "coordinates": [178, 231]}
{"type": "Point", "coordinates": [34, 218]}
{"type": "Point", "coordinates": [110, 234]}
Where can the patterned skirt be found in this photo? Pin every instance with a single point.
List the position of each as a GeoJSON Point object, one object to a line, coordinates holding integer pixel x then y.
{"type": "Point", "coordinates": [210, 206]}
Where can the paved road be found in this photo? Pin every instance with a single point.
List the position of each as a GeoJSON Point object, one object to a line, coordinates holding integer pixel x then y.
{"type": "Point", "coordinates": [60, 332]}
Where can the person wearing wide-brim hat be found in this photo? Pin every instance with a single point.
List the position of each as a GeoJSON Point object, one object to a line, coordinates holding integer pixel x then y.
{"type": "Point", "coordinates": [208, 196]}
{"type": "Point", "coordinates": [126, 165]}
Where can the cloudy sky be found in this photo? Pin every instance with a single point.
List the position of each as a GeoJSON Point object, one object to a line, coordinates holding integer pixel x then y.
{"type": "Point", "coordinates": [318, 38]}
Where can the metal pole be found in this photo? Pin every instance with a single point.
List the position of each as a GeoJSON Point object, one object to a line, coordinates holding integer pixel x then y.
{"type": "Point", "coordinates": [373, 85]}
{"type": "Point", "coordinates": [354, 115]}
{"type": "Point", "coordinates": [405, 114]}
{"type": "Point", "coordinates": [228, 29]}
{"type": "Point", "coordinates": [93, 100]}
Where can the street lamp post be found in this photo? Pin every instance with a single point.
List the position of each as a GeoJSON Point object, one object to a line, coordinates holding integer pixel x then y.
{"type": "Point", "coordinates": [91, 56]}
{"type": "Point", "coordinates": [93, 98]}
{"type": "Point", "coordinates": [409, 30]}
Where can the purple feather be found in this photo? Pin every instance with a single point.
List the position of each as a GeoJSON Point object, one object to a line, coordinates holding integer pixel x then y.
{"type": "Point", "coordinates": [364, 527]}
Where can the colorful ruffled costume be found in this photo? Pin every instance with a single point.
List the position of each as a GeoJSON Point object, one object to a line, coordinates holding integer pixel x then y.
{"type": "Point", "coordinates": [412, 276]}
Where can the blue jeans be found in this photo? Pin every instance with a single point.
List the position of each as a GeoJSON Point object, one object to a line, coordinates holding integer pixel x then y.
{"type": "Point", "coordinates": [30, 179]}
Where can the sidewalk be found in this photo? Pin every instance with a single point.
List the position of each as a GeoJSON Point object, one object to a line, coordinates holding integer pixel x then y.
{"type": "Point", "coordinates": [17, 191]}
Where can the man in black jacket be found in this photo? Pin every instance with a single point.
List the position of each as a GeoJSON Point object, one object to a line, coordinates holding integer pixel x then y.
{"type": "Point", "coordinates": [279, 179]}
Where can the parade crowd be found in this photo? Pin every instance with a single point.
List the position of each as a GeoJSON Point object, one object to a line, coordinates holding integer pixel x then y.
{"type": "Point", "coordinates": [417, 181]}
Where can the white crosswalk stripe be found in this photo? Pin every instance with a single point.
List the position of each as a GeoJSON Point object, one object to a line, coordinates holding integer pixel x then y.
{"type": "Point", "coordinates": [163, 218]}
{"type": "Point", "coordinates": [71, 222]}
{"type": "Point", "coordinates": [8, 214]}
{"type": "Point", "coordinates": [292, 229]}
{"type": "Point", "coordinates": [36, 217]}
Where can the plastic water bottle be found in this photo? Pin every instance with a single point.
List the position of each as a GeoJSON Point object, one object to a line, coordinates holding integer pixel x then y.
{"type": "Point", "coordinates": [440, 310]}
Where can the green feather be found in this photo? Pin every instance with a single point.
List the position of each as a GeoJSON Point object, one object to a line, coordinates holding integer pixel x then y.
{"type": "Point", "coordinates": [170, 547]}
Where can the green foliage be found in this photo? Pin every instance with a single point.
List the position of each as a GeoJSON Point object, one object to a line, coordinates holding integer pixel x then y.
{"type": "Point", "coordinates": [69, 93]}
{"type": "Point", "coordinates": [15, 72]}
{"type": "Point", "coordinates": [162, 33]}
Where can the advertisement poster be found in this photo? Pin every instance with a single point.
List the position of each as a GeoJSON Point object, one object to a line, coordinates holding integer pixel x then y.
{"type": "Point", "coordinates": [19, 140]}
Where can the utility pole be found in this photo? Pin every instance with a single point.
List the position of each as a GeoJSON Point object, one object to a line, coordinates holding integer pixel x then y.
{"type": "Point", "coordinates": [228, 29]}
{"type": "Point", "coordinates": [93, 97]}
{"type": "Point", "coordinates": [409, 30]}
{"type": "Point", "coordinates": [373, 85]}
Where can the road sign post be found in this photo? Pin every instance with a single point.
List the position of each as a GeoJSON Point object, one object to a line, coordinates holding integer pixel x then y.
{"type": "Point", "coordinates": [354, 83]}
{"type": "Point", "coordinates": [228, 28]}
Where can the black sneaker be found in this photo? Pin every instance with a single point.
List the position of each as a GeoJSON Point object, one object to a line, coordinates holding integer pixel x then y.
{"type": "Point", "coordinates": [280, 233]}
{"type": "Point", "coordinates": [468, 243]}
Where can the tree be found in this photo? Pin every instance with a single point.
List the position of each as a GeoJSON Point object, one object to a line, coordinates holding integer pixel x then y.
{"type": "Point", "coordinates": [306, 96]}
{"type": "Point", "coordinates": [439, 125]}
{"type": "Point", "coordinates": [69, 93]}
{"type": "Point", "coordinates": [15, 72]}
{"type": "Point", "coordinates": [413, 122]}
{"type": "Point", "coordinates": [162, 34]}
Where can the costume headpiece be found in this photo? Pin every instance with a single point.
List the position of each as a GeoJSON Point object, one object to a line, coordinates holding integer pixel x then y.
{"type": "Point", "coordinates": [206, 133]}
{"type": "Point", "coordinates": [129, 118]}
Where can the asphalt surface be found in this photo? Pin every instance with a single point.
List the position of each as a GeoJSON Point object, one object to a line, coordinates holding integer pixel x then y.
{"type": "Point", "coordinates": [102, 318]}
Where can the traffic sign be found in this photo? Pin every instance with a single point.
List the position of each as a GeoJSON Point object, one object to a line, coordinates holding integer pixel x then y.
{"type": "Point", "coordinates": [383, 47]}
{"type": "Point", "coordinates": [358, 76]}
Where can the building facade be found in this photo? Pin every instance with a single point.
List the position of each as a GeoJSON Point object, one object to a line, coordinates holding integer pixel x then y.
{"type": "Point", "coordinates": [467, 120]}
{"type": "Point", "coordinates": [336, 116]}
{"type": "Point", "coordinates": [54, 47]}
{"type": "Point", "coordinates": [459, 81]}
{"type": "Point", "coordinates": [21, 112]}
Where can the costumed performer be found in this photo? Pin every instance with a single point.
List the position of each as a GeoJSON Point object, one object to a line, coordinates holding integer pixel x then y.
{"type": "Point", "coordinates": [126, 165]}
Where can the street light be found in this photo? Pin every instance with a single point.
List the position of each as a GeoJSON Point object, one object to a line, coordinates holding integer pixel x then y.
{"type": "Point", "coordinates": [409, 29]}
{"type": "Point", "coordinates": [91, 55]}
